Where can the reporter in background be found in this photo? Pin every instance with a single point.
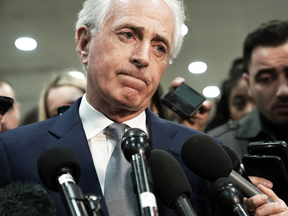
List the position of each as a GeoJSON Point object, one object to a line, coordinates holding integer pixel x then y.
{"type": "Point", "coordinates": [234, 102]}
{"type": "Point", "coordinates": [11, 118]}
{"type": "Point", "coordinates": [63, 88]}
{"type": "Point", "coordinates": [265, 54]}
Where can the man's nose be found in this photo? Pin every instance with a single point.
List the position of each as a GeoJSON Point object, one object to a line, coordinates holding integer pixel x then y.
{"type": "Point", "coordinates": [282, 90]}
{"type": "Point", "coordinates": [141, 55]}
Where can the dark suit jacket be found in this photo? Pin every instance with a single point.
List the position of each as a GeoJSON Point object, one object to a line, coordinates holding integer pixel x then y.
{"type": "Point", "coordinates": [238, 134]}
{"type": "Point", "coordinates": [20, 149]}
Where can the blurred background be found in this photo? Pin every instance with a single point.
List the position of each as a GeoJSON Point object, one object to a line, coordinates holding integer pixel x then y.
{"type": "Point", "coordinates": [216, 31]}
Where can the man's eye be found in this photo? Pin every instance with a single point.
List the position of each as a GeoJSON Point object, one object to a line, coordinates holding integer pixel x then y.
{"type": "Point", "coordinates": [264, 79]}
{"type": "Point", "coordinates": [128, 35]}
{"type": "Point", "coordinates": [160, 48]}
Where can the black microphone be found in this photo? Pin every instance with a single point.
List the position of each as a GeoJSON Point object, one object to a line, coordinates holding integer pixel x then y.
{"type": "Point", "coordinates": [136, 148]}
{"type": "Point", "coordinates": [236, 163]}
{"type": "Point", "coordinates": [59, 170]}
{"type": "Point", "coordinates": [25, 198]}
{"type": "Point", "coordinates": [206, 158]}
{"type": "Point", "coordinates": [229, 197]}
{"type": "Point", "coordinates": [170, 182]}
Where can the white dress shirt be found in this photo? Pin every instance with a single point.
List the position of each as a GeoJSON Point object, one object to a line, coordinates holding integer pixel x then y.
{"type": "Point", "coordinates": [101, 142]}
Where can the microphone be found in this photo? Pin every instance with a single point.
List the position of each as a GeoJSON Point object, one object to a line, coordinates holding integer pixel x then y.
{"type": "Point", "coordinates": [236, 163]}
{"type": "Point", "coordinates": [136, 148]}
{"type": "Point", "coordinates": [206, 158]}
{"type": "Point", "coordinates": [170, 182]}
{"type": "Point", "coordinates": [59, 170]}
{"type": "Point", "coordinates": [25, 198]}
{"type": "Point", "coordinates": [228, 196]}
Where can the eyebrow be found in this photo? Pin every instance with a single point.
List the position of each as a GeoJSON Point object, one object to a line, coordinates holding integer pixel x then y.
{"type": "Point", "coordinates": [130, 26]}
{"type": "Point", "coordinates": [156, 37]}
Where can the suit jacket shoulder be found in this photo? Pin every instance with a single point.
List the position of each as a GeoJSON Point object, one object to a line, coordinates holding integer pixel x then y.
{"type": "Point", "coordinates": [238, 135]}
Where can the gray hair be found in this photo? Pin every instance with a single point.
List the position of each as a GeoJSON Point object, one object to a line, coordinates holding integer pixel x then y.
{"type": "Point", "coordinates": [95, 13]}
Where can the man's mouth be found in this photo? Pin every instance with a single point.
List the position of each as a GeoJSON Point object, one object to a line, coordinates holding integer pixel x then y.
{"type": "Point", "coordinates": [281, 107]}
{"type": "Point", "coordinates": [134, 78]}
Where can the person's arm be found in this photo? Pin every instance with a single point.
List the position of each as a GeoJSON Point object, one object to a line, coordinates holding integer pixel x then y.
{"type": "Point", "coordinates": [255, 204]}
{"type": "Point", "coordinates": [200, 118]}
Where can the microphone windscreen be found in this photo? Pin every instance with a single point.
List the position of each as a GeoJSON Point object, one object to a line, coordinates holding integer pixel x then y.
{"type": "Point", "coordinates": [234, 158]}
{"type": "Point", "coordinates": [168, 177]}
{"type": "Point", "coordinates": [52, 161]}
{"type": "Point", "coordinates": [229, 197]}
{"type": "Point", "coordinates": [220, 183]}
{"type": "Point", "coordinates": [205, 157]}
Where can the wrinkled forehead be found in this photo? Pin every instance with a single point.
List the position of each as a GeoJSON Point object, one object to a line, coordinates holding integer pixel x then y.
{"type": "Point", "coordinates": [157, 13]}
{"type": "Point", "coordinates": [160, 7]}
{"type": "Point", "coordinates": [270, 56]}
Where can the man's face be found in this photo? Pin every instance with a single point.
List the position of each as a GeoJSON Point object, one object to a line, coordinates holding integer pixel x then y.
{"type": "Point", "coordinates": [268, 80]}
{"type": "Point", "coordinates": [127, 58]}
{"type": "Point", "coordinates": [12, 117]}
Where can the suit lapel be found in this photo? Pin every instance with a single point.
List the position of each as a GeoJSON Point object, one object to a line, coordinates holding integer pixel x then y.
{"type": "Point", "coordinates": [162, 134]}
{"type": "Point", "coordinates": [70, 133]}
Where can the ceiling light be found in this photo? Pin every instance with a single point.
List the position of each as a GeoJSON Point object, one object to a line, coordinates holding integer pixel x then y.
{"type": "Point", "coordinates": [197, 67]}
{"type": "Point", "coordinates": [184, 29]}
{"type": "Point", "coordinates": [211, 91]}
{"type": "Point", "coordinates": [26, 44]}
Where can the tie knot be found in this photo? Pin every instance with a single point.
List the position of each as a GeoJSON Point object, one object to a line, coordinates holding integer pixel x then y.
{"type": "Point", "coordinates": [117, 129]}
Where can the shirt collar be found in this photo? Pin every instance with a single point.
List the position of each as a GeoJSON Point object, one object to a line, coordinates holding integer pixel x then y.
{"type": "Point", "coordinates": [94, 121]}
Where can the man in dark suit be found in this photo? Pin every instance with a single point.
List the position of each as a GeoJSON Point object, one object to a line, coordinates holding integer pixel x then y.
{"type": "Point", "coordinates": [125, 47]}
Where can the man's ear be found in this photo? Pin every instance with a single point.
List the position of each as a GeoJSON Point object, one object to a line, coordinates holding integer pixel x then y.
{"type": "Point", "coordinates": [83, 38]}
{"type": "Point", "coordinates": [245, 76]}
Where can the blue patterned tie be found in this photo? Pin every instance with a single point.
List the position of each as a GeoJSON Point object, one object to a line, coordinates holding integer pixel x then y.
{"type": "Point", "coordinates": [118, 190]}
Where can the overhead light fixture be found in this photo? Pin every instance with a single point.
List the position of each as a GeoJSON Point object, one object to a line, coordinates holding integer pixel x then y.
{"type": "Point", "coordinates": [26, 44]}
{"type": "Point", "coordinates": [184, 29]}
{"type": "Point", "coordinates": [197, 67]}
{"type": "Point", "coordinates": [211, 91]}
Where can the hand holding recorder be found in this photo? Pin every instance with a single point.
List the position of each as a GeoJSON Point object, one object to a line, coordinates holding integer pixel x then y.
{"type": "Point", "coordinates": [192, 108]}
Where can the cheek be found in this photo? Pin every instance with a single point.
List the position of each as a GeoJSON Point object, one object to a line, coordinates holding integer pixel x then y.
{"type": "Point", "coordinates": [261, 95]}
{"type": "Point", "coordinates": [234, 114]}
{"type": "Point", "coordinates": [158, 71]}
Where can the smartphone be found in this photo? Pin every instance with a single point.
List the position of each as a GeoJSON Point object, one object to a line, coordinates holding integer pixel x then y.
{"type": "Point", "coordinates": [270, 167]}
{"type": "Point", "coordinates": [5, 104]}
{"type": "Point", "coordinates": [61, 109]}
{"type": "Point", "coordinates": [279, 148]}
{"type": "Point", "coordinates": [183, 100]}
